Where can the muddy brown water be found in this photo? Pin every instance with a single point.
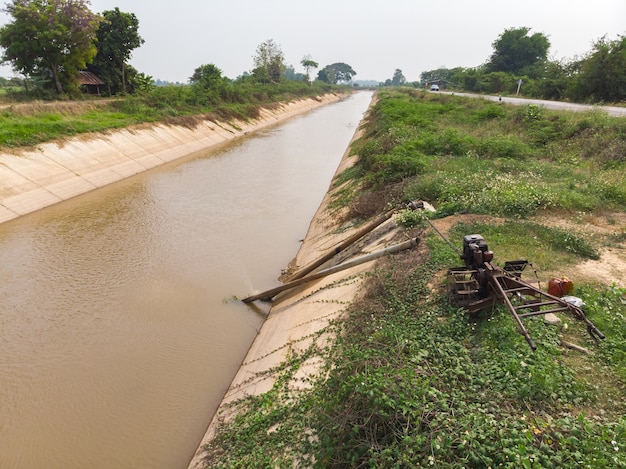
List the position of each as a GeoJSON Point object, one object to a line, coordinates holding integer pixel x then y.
{"type": "Point", "coordinates": [119, 330]}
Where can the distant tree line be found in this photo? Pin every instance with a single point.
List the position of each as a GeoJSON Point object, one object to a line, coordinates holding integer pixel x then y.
{"type": "Point", "coordinates": [49, 42]}
{"type": "Point", "coordinates": [270, 67]}
{"type": "Point", "coordinates": [519, 61]}
{"type": "Point", "coordinates": [209, 85]}
{"type": "Point", "coordinates": [397, 80]}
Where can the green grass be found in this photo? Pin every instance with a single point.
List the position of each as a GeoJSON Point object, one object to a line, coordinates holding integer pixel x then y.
{"type": "Point", "coordinates": [470, 155]}
{"type": "Point", "coordinates": [413, 381]}
{"type": "Point", "coordinates": [16, 131]}
{"type": "Point", "coordinates": [549, 248]}
{"type": "Point", "coordinates": [23, 126]}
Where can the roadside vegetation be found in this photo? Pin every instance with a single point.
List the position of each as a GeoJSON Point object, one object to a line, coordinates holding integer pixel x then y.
{"type": "Point", "coordinates": [520, 65]}
{"type": "Point", "coordinates": [471, 155]}
{"type": "Point", "coordinates": [409, 380]}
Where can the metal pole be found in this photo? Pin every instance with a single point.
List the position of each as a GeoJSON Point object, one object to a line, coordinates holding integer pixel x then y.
{"type": "Point", "coordinates": [444, 238]}
{"type": "Point", "coordinates": [413, 205]}
{"type": "Point", "coordinates": [496, 285]}
{"type": "Point", "coordinates": [343, 245]}
{"type": "Point", "coordinates": [269, 294]}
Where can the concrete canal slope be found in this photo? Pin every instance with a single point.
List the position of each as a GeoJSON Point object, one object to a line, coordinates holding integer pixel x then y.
{"type": "Point", "coordinates": [53, 172]}
{"type": "Point", "coordinates": [297, 315]}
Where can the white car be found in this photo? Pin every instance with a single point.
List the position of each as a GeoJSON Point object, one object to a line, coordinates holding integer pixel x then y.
{"type": "Point", "coordinates": [434, 87]}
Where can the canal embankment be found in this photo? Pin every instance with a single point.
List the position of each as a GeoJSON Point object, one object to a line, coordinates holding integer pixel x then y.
{"type": "Point", "coordinates": [297, 316]}
{"type": "Point", "coordinates": [50, 173]}
{"type": "Point", "coordinates": [120, 317]}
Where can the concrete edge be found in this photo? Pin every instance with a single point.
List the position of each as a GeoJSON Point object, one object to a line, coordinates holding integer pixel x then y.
{"type": "Point", "coordinates": [53, 172]}
{"type": "Point", "coordinates": [296, 316]}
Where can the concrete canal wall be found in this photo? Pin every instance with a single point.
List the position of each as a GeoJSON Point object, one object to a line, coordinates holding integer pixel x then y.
{"type": "Point", "coordinates": [297, 316]}
{"type": "Point", "coordinates": [53, 172]}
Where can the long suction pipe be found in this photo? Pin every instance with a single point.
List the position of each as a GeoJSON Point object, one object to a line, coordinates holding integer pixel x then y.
{"type": "Point", "coordinates": [269, 294]}
{"type": "Point", "coordinates": [413, 205]}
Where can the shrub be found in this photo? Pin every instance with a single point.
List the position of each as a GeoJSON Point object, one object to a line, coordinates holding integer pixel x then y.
{"type": "Point", "coordinates": [502, 147]}
{"type": "Point", "coordinates": [491, 111]}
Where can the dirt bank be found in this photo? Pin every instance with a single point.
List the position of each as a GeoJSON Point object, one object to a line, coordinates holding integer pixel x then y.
{"type": "Point", "coordinates": [52, 172]}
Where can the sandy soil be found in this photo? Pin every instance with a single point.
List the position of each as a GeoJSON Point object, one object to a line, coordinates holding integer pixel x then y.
{"type": "Point", "coordinates": [610, 269]}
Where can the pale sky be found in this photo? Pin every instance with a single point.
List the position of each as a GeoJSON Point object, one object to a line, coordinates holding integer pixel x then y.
{"type": "Point", "coordinates": [374, 37]}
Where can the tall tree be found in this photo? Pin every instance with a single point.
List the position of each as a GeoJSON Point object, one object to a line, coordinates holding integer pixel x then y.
{"type": "Point", "coordinates": [336, 73]}
{"type": "Point", "coordinates": [308, 63]}
{"type": "Point", "coordinates": [269, 62]}
{"type": "Point", "coordinates": [515, 50]}
{"type": "Point", "coordinates": [208, 85]}
{"type": "Point", "coordinates": [50, 37]}
{"type": "Point", "coordinates": [398, 78]}
{"type": "Point", "coordinates": [117, 37]}
{"type": "Point", "coordinates": [602, 74]}
{"type": "Point", "coordinates": [207, 76]}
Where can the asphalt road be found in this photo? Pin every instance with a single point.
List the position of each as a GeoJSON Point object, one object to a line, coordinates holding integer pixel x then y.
{"type": "Point", "coordinates": [557, 105]}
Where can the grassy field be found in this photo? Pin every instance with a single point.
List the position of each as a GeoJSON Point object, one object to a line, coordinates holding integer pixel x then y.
{"type": "Point", "coordinates": [413, 381]}
{"type": "Point", "coordinates": [30, 123]}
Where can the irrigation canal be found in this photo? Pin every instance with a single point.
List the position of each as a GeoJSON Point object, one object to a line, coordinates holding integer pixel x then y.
{"type": "Point", "coordinates": [118, 329]}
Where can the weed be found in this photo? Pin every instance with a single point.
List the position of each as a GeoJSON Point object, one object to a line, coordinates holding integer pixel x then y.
{"type": "Point", "coordinates": [607, 307]}
{"type": "Point", "coordinates": [472, 156]}
{"type": "Point", "coordinates": [410, 218]}
{"type": "Point", "coordinates": [37, 123]}
{"type": "Point", "coordinates": [410, 380]}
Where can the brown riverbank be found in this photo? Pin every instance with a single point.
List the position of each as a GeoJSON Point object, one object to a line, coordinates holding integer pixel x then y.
{"type": "Point", "coordinates": [36, 178]}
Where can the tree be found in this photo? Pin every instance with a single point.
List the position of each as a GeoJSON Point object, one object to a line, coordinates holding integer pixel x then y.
{"type": "Point", "coordinates": [554, 80]}
{"type": "Point", "coordinates": [269, 62]}
{"type": "Point", "coordinates": [117, 37]}
{"type": "Point", "coordinates": [290, 74]}
{"type": "Point", "coordinates": [208, 85]}
{"type": "Point", "coordinates": [207, 76]}
{"type": "Point", "coordinates": [336, 73]}
{"type": "Point", "coordinates": [449, 77]}
{"type": "Point", "coordinates": [468, 78]}
{"type": "Point", "coordinates": [53, 38]}
{"type": "Point", "coordinates": [138, 81]}
{"type": "Point", "coordinates": [308, 64]}
{"type": "Point", "coordinates": [439, 74]}
{"type": "Point", "coordinates": [515, 50]}
{"type": "Point", "coordinates": [398, 78]}
{"type": "Point", "coordinates": [602, 74]}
